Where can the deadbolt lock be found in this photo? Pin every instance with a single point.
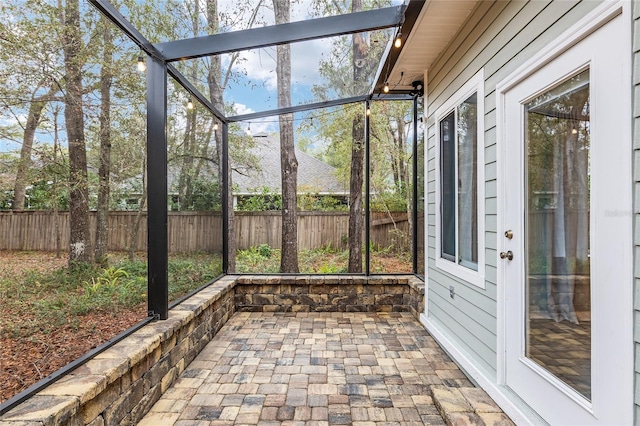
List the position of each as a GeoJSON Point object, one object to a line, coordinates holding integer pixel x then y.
{"type": "Point", "coordinates": [508, 234]}
{"type": "Point", "coordinates": [506, 255]}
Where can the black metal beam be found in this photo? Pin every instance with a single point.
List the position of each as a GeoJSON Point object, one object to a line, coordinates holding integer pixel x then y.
{"type": "Point", "coordinates": [415, 185]}
{"type": "Point", "coordinates": [158, 236]}
{"type": "Point", "coordinates": [367, 189]}
{"type": "Point", "coordinates": [395, 96]}
{"type": "Point", "coordinates": [225, 198]}
{"type": "Point", "coordinates": [108, 10]}
{"type": "Point", "coordinates": [273, 35]}
{"type": "Point", "coordinates": [297, 108]}
{"type": "Point", "coordinates": [411, 14]}
{"type": "Point", "coordinates": [189, 87]}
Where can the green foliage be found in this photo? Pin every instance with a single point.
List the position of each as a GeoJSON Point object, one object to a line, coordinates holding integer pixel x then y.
{"type": "Point", "coordinates": [188, 272]}
{"type": "Point", "coordinates": [317, 202]}
{"type": "Point", "coordinates": [265, 250]}
{"type": "Point", "coordinates": [108, 279]}
{"type": "Point", "coordinates": [204, 195]}
{"type": "Point", "coordinates": [39, 196]}
{"type": "Point", "coordinates": [258, 259]}
{"type": "Point", "coordinates": [111, 287]}
{"type": "Point", "coordinates": [328, 268]}
{"type": "Point", "coordinates": [265, 199]}
{"type": "Point", "coordinates": [389, 202]}
{"type": "Point", "coordinates": [52, 299]}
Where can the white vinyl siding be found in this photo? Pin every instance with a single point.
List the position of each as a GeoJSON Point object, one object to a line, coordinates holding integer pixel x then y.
{"type": "Point", "coordinates": [497, 38]}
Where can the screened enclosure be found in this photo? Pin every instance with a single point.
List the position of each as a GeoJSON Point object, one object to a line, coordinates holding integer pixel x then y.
{"type": "Point", "coordinates": [204, 136]}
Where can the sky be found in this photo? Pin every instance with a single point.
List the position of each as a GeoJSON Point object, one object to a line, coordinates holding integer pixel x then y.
{"type": "Point", "coordinates": [258, 91]}
{"type": "Point", "coordinates": [255, 88]}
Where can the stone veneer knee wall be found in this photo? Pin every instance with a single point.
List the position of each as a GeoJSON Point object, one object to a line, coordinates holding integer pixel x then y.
{"type": "Point", "coordinates": [120, 385]}
{"type": "Point", "coordinates": [311, 293]}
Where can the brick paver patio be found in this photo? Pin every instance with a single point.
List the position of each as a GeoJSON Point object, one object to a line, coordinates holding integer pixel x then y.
{"type": "Point", "coordinates": [323, 369]}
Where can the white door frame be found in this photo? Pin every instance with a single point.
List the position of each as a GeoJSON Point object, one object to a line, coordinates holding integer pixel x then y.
{"type": "Point", "coordinates": [588, 25]}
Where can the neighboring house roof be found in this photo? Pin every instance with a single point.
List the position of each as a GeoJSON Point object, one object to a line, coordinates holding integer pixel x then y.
{"type": "Point", "coordinates": [313, 175]}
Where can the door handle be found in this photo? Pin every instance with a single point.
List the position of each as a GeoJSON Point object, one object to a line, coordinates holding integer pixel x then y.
{"type": "Point", "coordinates": [506, 255]}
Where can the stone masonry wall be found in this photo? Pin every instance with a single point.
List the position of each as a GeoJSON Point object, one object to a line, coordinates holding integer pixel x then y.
{"type": "Point", "coordinates": [304, 293]}
{"type": "Point", "coordinates": [121, 384]}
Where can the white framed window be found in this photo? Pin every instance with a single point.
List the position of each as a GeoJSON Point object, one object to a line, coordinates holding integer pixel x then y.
{"type": "Point", "coordinates": [459, 128]}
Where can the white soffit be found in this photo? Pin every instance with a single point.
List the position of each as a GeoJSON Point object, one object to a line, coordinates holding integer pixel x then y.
{"type": "Point", "coordinates": [438, 23]}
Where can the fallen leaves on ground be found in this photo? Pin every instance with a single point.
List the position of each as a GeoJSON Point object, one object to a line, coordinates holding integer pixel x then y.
{"type": "Point", "coordinates": [26, 359]}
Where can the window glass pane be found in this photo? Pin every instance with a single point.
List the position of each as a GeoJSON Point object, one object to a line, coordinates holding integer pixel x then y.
{"type": "Point", "coordinates": [467, 183]}
{"type": "Point", "coordinates": [558, 233]}
{"type": "Point", "coordinates": [390, 177]}
{"type": "Point", "coordinates": [448, 189]}
{"type": "Point", "coordinates": [323, 145]}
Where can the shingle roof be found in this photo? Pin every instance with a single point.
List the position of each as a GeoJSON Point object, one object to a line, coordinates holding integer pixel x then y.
{"type": "Point", "coordinates": [313, 175]}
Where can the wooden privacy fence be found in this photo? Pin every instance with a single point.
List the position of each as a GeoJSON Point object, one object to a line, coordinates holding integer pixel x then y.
{"type": "Point", "coordinates": [202, 231]}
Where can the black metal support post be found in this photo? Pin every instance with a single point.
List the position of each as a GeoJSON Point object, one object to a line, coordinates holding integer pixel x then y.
{"type": "Point", "coordinates": [225, 197]}
{"type": "Point", "coordinates": [157, 251]}
{"type": "Point", "coordinates": [367, 187]}
{"type": "Point", "coordinates": [415, 185]}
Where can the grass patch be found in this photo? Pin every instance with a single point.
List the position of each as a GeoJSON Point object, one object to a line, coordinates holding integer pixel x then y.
{"type": "Point", "coordinates": [45, 300]}
{"type": "Point", "coordinates": [327, 260]}
{"type": "Point", "coordinates": [265, 260]}
{"type": "Point", "coordinates": [39, 301]}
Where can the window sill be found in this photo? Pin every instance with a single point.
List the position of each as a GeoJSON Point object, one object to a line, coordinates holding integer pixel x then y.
{"type": "Point", "coordinates": [475, 278]}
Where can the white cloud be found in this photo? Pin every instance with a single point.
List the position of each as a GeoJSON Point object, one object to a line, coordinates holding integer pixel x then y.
{"type": "Point", "coordinates": [262, 125]}
{"type": "Point", "coordinates": [17, 120]}
{"type": "Point", "coordinates": [241, 109]}
{"type": "Point", "coordinates": [260, 64]}
{"type": "Point", "coordinates": [255, 80]}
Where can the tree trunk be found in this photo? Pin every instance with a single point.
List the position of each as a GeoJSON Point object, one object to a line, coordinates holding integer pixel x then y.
{"type": "Point", "coordinates": [185, 184]}
{"type": "Point", "coordinates": [106, 79]}
{"type": "Point", "coordinates": [79, 241]}
{"type": "Point", "coordinates": [356, 220]}
{"type": "Point", "coordinates": [216, 89]}
{"type": "Point", "coordinates": [56, 213]}
{"type": "Point", "coordinates": [189, 146]}
{"type": "Point", "coordinates": [288, 161]}
{"type": "Point", "coordinates": [289, 165]}
{"type": "Point", "coordinates": [33, 121]}
{"type": "Point", "coordinates": [133, 239]}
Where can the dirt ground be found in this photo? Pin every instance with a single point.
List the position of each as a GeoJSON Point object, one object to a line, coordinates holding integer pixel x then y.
{"type": "Point", "coordinates": [25, 360]}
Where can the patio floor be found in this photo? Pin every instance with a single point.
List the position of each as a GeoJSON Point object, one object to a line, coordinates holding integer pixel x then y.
{"type": "Point", "coordinates": [323, 369]}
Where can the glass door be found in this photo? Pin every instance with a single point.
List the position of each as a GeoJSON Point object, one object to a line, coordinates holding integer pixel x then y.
{"type": "Point", "coordinates": [565, 259]}
{"type": "Point", "coordinates": [557, 269]}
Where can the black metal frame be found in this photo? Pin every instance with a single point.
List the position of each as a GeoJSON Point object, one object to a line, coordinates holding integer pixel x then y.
{"type": "Point", "coordinates": [157, 193]}
{"type": "Point", "coordinates": [159, 67]}
{"type": "Point", "coordinates": [159, 58]}
{"type": "Point", "coordinates": [274, 35]}
{"type": "Point", "coordinates": [367, 188]}
{"type": "Point", "coordinates": [414, 165]}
